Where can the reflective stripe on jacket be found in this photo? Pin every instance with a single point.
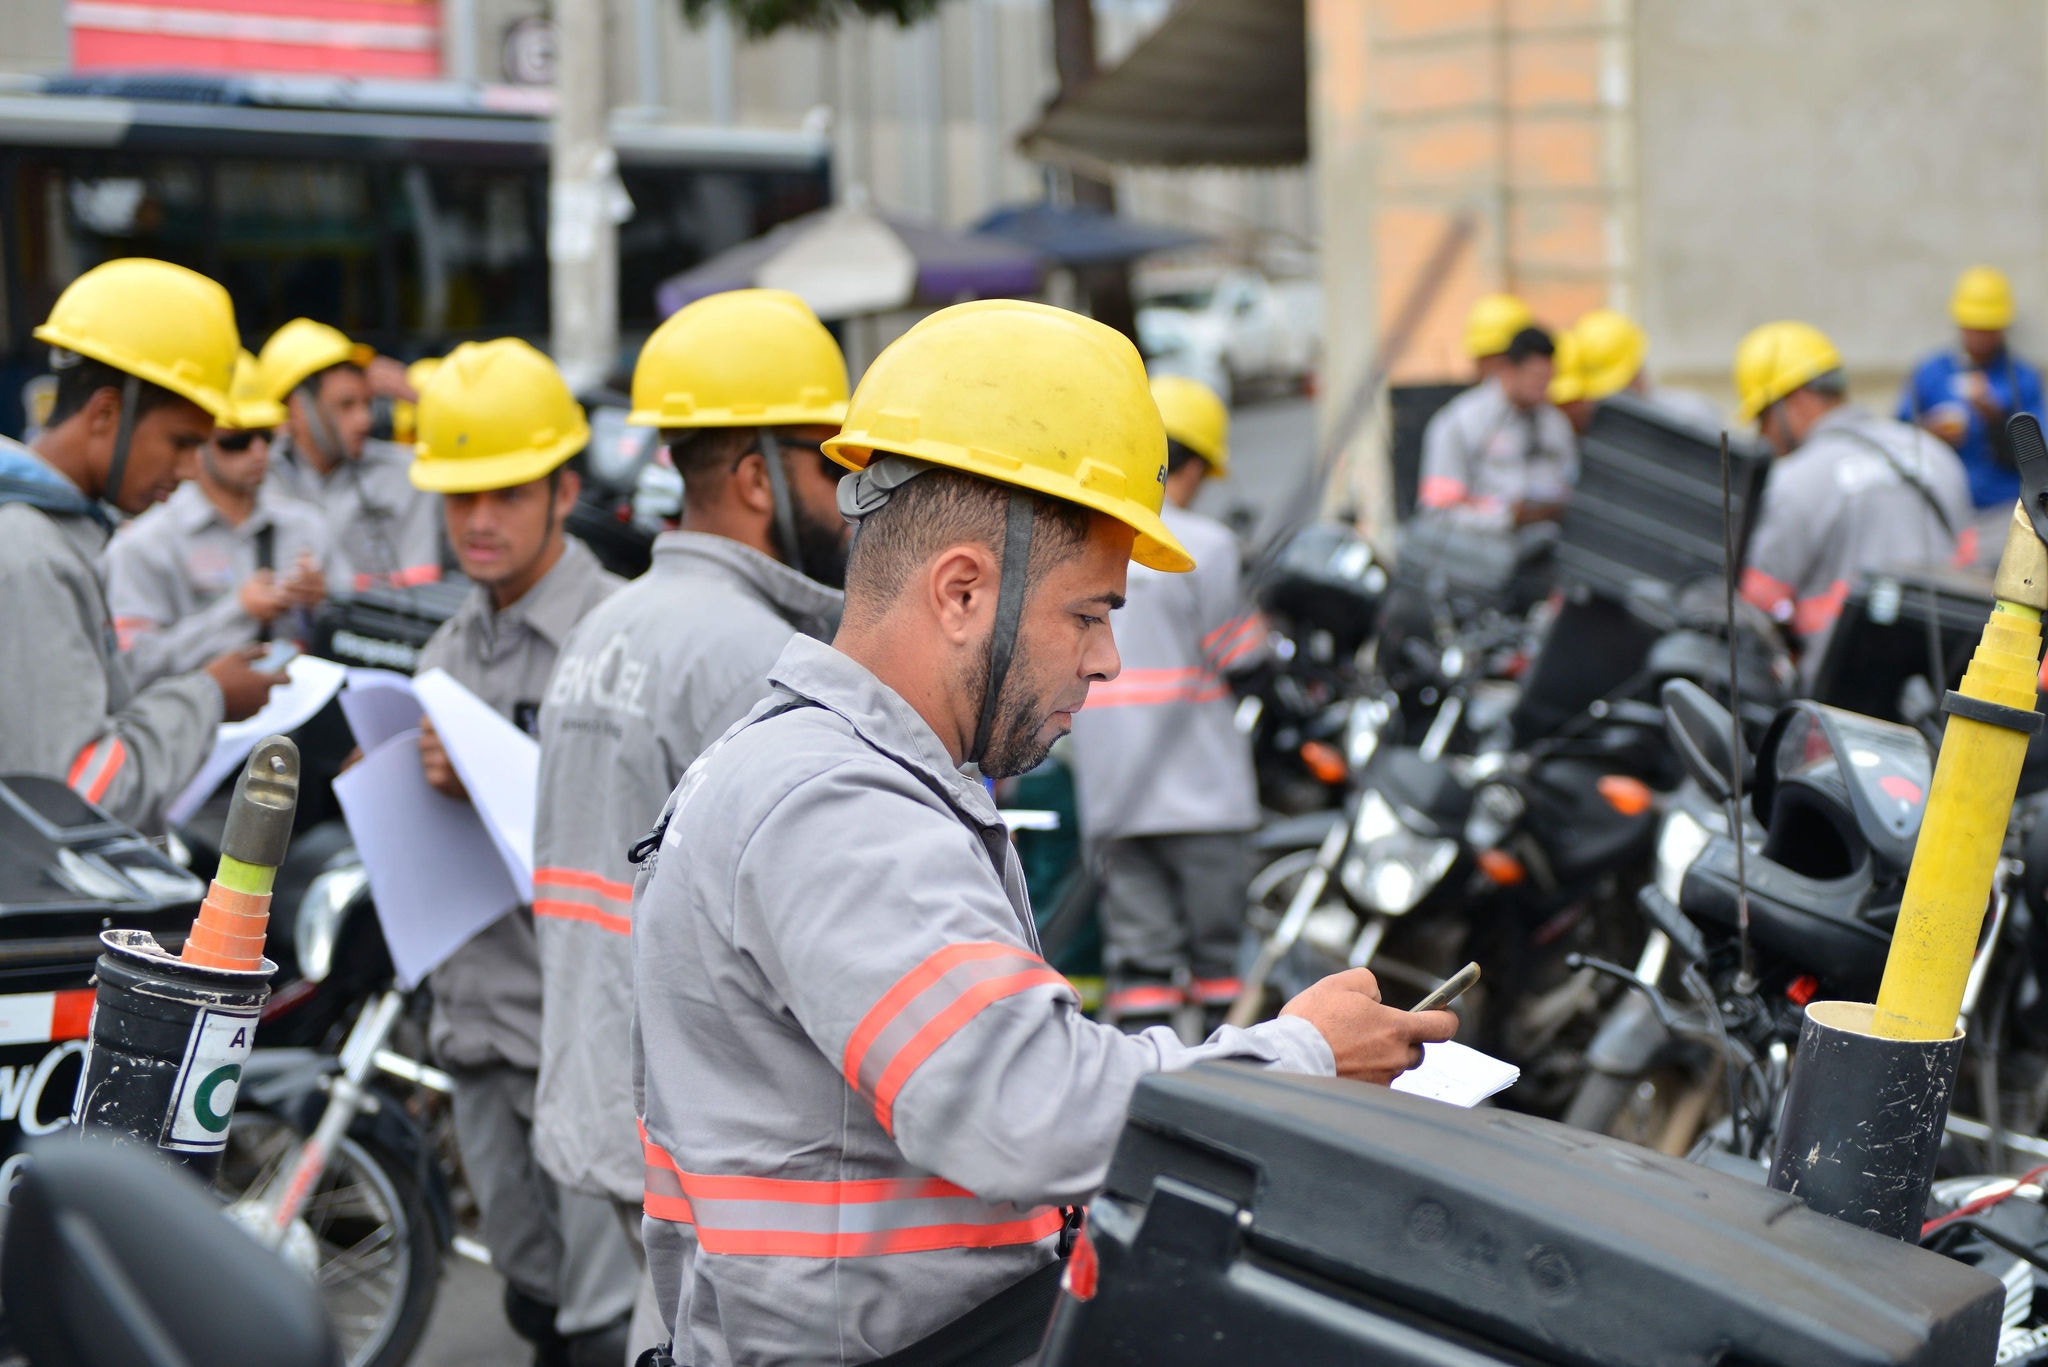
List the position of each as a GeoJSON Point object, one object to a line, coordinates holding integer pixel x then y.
{"type": "Point", "coordinates": [654, 676]}
{"type": "Point", "coordinates": [865, 1093]}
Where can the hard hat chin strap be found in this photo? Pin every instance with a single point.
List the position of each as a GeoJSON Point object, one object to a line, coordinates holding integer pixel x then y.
{"type": "Point", "coordinates": [317, 426]}
{"type": "Point", "coordinates": [785, 510]}
{"type": "Point", "coordinates": [124, 435]}
{"type": "Point", "coordinates": [868, 490]}
{"type": "Point", "coordinates": [1002, 638]}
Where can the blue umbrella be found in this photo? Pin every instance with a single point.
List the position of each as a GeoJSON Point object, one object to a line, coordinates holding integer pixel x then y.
{"type": "Point", "coordinates": [1080, 235]}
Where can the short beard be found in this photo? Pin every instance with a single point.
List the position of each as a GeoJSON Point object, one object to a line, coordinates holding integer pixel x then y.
{"type": "Point", "coordinates": [821, 547]}
{"type": "Point", "coordinates": [1013, 744]}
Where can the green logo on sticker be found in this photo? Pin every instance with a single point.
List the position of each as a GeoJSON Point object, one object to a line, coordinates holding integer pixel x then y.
{"type": "Point", "coordinates": [212, 1121]}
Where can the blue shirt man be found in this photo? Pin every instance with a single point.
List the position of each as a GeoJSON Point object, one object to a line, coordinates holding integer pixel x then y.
{"type": "Point", "coordinates": [1964, 395]}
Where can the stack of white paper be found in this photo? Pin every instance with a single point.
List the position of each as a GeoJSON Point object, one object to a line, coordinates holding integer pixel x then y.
{"type": "Point", "coordinates": [1451, 1072]}
{"type": "Point", "coordinates": [292, 704]}
{"type": "Point", "coordinates": [497, 762]}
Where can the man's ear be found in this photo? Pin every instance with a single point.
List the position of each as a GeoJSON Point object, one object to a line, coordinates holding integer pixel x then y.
{"type": "Point", "coordinates": [568, 488]}
{"type": "Point", "coordinates": [750, 481]}
{"type": "Point", "coordinates": [103, 412]}
{"type": "Point", "coordinates": [961, 586]}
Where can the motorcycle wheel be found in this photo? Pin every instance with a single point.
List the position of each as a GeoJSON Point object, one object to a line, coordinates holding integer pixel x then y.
{"type": "Point", "coordinates": [365, 1231]}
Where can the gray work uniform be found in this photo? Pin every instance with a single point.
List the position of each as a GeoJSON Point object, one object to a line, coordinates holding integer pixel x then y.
{"type": "Point", "coordinates": [380, 530]}
{"type": "Point", "coordinates": [68, 708]}
{"type": "Point", "coordinates": [486, 1022]}
{"type": "Point", "coordinates": [174, 575]}
{"type": "Point", "coordinates": [644, 684]}
{"type": "Point", "coordinates": [1843, 503]}
{"type": "Point", "coordinates": [1163, 776]}
{"type": "Point", "coordinates": [1481, 456]}
{"type": "Point", "coordinates": [865, 1094]}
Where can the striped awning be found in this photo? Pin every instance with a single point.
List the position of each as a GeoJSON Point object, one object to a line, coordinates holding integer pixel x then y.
{"type": "Point", "coordinates": [392, 38]}
{"type": "Point", "coordinates": [1218, 83]}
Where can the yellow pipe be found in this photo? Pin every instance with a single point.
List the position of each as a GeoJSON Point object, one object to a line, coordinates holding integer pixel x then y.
{"type": "Point", "coordinates": [1967, 809]}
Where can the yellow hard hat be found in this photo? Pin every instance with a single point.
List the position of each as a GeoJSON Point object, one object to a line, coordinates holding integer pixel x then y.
{"type": "Point", "coordinates": [1027, 395]}
{"type": "Point", "coordinates": [744, 358]}
{"type": "Point", "coordinates": [250, 404]}
{"type": "Point", "coordinates": [1776, 359]}
{"type": "Point", "coordinates": [1568, 370]}
{"type": "Point", "coordinates": [1983, 299]}
{"type": "Point", "coordinates": [301, 349]}
{"type": "Point", "coordinates": [1493, 323]}
{"type": "Point", "coordinates": [1196, 418]}
{"type": "Point", "coordinates": [495, 415]}
{"type": "Point", "coordinates": [1611, 349]}
{"type": "Point", "coordinates": [153, 320]}
{"type": "Point", "coordinates": [405, 415]}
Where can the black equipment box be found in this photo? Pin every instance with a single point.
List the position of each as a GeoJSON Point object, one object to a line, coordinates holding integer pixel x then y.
{"type": "Point", "coordinates": [1648, 501]}
{"type": "Point", "coordinates": [67, 871]}
{"type": "Point", "coordinates": [1883, 637]}
{"type": "Point", "coordinates": [1325, 577]}
{"type": "Point", "coordinates": [383, 627]}
{"type": "Point", "coordinates": [1253, 1218]}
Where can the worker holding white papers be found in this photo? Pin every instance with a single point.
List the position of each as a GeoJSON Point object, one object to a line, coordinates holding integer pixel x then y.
{"type": "Point", "coordinates": [497, 426]}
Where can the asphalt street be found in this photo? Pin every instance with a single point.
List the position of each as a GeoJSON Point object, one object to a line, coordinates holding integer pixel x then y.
{"type": "Point", "coordinates": [1271, 446]}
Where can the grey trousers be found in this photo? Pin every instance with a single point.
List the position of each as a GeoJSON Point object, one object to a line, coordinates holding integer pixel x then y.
{"type": "Point", "coordinates": [1174, 903]}
{"type": "Point", "coordinates": [558, 1247]}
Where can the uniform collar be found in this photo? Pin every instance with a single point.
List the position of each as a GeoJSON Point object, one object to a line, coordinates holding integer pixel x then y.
{"type": "Point", "coordinates": [1845, 415]}
{"type": "Point", "coordinates": [795, 596]}
{"type": "Point", "coordinates": [550, 608]}
{"type": "Point", "coordinates": [818, 674]}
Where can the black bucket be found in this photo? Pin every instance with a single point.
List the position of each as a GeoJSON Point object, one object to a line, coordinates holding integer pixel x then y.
{"type": "Point", "coordinates": [165, 1056]}
{"type": "Point", "coordinates": [1863, 1120]}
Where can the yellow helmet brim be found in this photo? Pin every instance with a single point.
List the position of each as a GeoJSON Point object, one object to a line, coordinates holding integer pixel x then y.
{"type": "Point", "coordinates": [477, 475]}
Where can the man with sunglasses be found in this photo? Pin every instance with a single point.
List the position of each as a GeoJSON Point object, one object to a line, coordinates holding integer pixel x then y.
{"type": "Point", "coordinates": [227, 560]}
{"type": "Point", "coordinates": [744, 386]}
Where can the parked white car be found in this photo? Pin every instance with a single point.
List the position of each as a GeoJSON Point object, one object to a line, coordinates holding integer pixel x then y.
{"type": "Point", "coordinates": [1230, 328]}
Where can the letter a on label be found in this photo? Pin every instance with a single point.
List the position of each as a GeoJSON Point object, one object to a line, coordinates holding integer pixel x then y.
{"type": "Point", "coordinates": [208, 1081]}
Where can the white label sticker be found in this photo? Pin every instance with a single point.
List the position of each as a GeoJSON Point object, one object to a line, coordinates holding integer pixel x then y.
{"type": "Point", "coordinates": [208, 1081]}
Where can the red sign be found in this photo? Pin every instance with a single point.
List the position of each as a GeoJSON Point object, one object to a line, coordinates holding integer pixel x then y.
{"type": "Point", "coordinates": [333, 37]}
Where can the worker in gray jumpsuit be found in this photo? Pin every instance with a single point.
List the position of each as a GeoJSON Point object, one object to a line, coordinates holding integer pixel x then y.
{"type": "Point", "coordinates": [1164, 777]}
{"type": "Point", "coordinates": [1501, 455]}
{"type": "Point", "coordinates": [496, 427]}
{"type": "Point", "coordinates": [1850, 491]}
{"type": "Point", "coordinates": [380, 529]}
{"type": "Point", "coordinates": [228, 560]}
{"type": "Point", "coordinates": [743, 386]}
{"type": "Point", "coordinates": [143, 352]}
{"type": "Point", "coordinates": [867, 1099]}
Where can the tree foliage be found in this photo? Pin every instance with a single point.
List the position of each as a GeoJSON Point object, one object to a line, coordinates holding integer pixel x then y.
{"type": "Point", "coordinates": [760, 18]}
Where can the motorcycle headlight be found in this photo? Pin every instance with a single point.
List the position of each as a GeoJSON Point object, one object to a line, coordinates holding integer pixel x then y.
{"type": "Point", "coordinates": [1678, 844]}
{"type": "Point", "coordinates": [1389, 868]}
{"type": "Point", "coordinates": [322, 912]}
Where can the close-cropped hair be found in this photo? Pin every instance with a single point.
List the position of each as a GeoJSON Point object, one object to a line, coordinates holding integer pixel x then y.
{"type": "Point", "coordinates": [944, 508]}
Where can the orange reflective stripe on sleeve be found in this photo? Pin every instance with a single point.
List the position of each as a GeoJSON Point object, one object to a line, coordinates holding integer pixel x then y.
{"type": "Point", "coordinates": [412, 576]}
{"type": "Point", "coordinates": [927, 1006]}
{"type": "Point", "coordinates": [1152, 687]}
{"type": "Point", "coordinates": [575, 895]}
{"type": "Point", "coordinates": [1234, 640]}
{"type": "Point", "coordinates": [1440, 491]}
{"type": "Point", "coordinates": [94, 769]}
{"type": "Point", "coordinates": [126, 629]}
{"type": "Point", "coordinates": [1772, 595]}
{"type": "Point", "coordinates": [1819, 612]}
{"type": "Point", "coordinates": [783, 1217]}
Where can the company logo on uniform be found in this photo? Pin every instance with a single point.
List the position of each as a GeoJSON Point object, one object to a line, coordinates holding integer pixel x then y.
{"type": "Point", "coordinates": [608, 679]}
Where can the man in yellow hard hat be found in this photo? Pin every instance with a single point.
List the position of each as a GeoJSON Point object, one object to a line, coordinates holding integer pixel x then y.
{"type": "Point", "coordinates": [1850, 491]}
{"type": "Point", "coordinates": [1493, 323]}
{"type": "Point", "coordinates": [498, 429]}
{"type": "Point", "coordinates": [1964, 395]}
{"type": "Point", "coordinates": [1167, 794]}
{"type": "Point", "coordinates": [1568, 383]}
{"type": "Point", "coordinates": [743, 387]}
{"type": "Point", "coordinates": [228, 560]}
{"type": "Point", "coordinates": [381, 530]}
{"type": "Point", "coordinates": [1609, 350]}
{"type": "Point", "coordinates": [144, 352]}
{"type": "Point", "coordinates": [1500, 455]}
{"type": "Point", "coordinates": [866, 1097]}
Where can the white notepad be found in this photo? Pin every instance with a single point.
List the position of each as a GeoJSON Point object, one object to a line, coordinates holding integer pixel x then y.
{"type": "Point", "coordinates": [1453, 1073]}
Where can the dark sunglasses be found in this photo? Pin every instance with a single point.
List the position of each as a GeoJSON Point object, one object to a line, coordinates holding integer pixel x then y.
{"type": "Point", "coordinates": [242, 438]}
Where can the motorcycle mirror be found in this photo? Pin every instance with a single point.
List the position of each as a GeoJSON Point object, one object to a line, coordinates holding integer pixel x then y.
{"type": "Point", "coordinates": [1700, 731]}
{"type": "Point", "coordinates": [116, 1259]}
